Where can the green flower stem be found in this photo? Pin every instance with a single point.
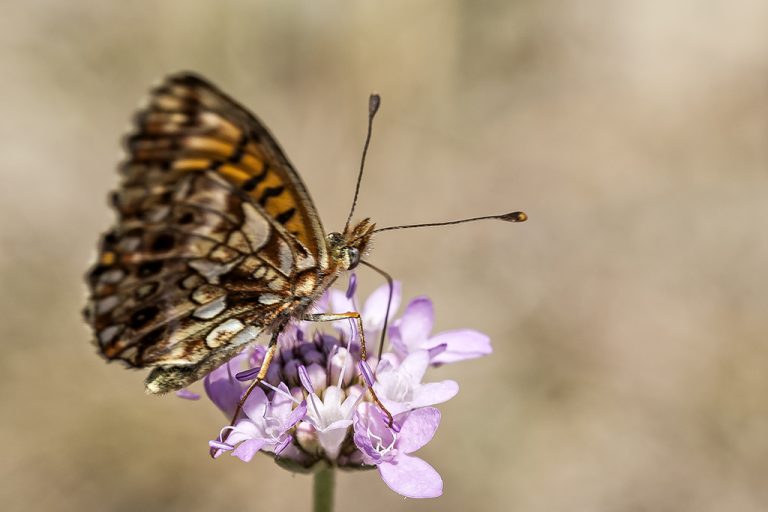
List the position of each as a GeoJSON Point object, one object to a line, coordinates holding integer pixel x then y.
{"type": "Point", "coordinates": [323, 488]}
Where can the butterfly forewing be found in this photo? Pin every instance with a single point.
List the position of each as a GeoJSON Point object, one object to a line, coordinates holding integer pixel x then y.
{"type": "Point", "coordinates": [216, 240]}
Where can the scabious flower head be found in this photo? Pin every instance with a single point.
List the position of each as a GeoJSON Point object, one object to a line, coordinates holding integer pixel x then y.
{"type": "Point", "coordinates": [314, 406]}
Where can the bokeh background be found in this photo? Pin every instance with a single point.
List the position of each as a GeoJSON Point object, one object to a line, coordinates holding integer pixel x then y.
{"type": "Point", "coordinates": [629, 315]}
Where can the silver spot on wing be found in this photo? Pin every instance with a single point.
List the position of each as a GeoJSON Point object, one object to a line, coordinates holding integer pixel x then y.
{"type": "Point", "coordinates": [286, 257]}
{"type": "Point", "coordinates": [107, 304]}
{"type": "Point", "coordinates": [269, 299]}
{"type": "Point", "coordinates": [224, 332]}
{"type": "Point", "coordinates": [247, 335]}
{"type": "Point", "coordinates": [305, 261]}
{"type": "Point", "coordinates": [256, 228]}
{"type": "Point", "coordinates": [108, 334]}
{"type": "Point", "coordinates": [211, 270]}
{"type": "Point", "coordinates": [210, 310]}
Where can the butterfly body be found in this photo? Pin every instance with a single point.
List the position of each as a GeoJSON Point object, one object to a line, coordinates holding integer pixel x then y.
{"type": "Point", "coordinates": [217, 239]}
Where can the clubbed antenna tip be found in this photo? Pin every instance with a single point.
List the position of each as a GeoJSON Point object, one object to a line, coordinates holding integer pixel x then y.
{"type": "Point", "coordinates": [374, 101]}
{"type": "Point", "coordinates": [514, 217]}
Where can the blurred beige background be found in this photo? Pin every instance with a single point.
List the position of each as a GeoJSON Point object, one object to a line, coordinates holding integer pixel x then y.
{"type": "Point", "coordinates": [629, 315]}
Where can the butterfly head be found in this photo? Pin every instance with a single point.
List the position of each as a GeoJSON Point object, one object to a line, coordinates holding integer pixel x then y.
{"type": "Point", "coordinates": [347, 249]}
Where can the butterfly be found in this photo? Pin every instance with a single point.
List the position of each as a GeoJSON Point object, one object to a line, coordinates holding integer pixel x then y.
{"type": "Point", "coordinates": [216, 241]}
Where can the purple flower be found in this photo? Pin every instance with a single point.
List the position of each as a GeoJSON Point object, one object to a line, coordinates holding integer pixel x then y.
{"type": "Point", "coordinates": [411, 332]}
{"type": "Point", "coordinates": [331, 417]}
{"type": "Point", "coordinates": [389, 450]}
{"type": "Point", "coordinates": [266, 424]}
{"type": "Point", "coordinates": [374, 310]}
{"type": "Point", "coordinates": [400, 388]}
{"type": "Point", "coordinates": [313, 407]}
{"type": "Point", "coordinates": [223, 388]}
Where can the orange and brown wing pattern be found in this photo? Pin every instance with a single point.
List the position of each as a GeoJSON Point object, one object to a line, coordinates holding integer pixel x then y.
{"type": "Point", "coordinates": [190, 125]}
{"type": "Point", "coordinates": [203, 258]}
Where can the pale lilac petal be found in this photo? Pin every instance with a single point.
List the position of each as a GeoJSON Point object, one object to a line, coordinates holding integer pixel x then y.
{"type": "Point", "coordinates": [434, 393]}
{"type": "Point", "coordinates": [415, 365]}
{"type": "Point", "coordinates": [331, 437]}
{"type": "Point", "coordinates": [244, 429]}
{"type": "Point", "coordinates": [375, 307]}
{"type": "Point", "coordinates": [187, 394]}
{"type": "Point", "coordinates": [256, 405]}
{"type": "Point", "coordinates": [416, 323]}
{"type": "Point", "coordinates": [388, 360]}
{"type": "Point", "coordinates": [370, 431]}
{"type": "Point", "coordinates": [317, 376]}
{"type": "Point", "coordinates": [340, 303]}
{"type": "Point", "coordinates": [418, 429]}
{"type": "Point", "coordinates": [397, 343]}
{"type": "Point", "coordinates": [411, 477]}
{"type": "Point", "coordinates": [247, 449]}
{"type": "Point", "coordinates": [364, 444]}
{"type": "Point", "coordinates": [281, 405]}
{"type": "Point", "coordinates": [460, 344]}
{"type": "Point", "coordinates": [221, 386]}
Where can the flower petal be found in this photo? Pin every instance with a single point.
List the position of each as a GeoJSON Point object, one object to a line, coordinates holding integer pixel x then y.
{"type": "Point", "coordinates": [399, 347]}
{"type": "Point", "coordinates": [375, 307]}
{"type": "Point", "coordinates": [416, 323]}
{"type": "Point", "coordinates": [256, 405]}
{"type": "Point", "coordinates": [433, 393]}
{"type": "Point", "coordinates": [247, 449]}
{"type": "Point", "coordinates": [331, 437]}
{"type": "Point", "coordinates": [370, 431]}
{"type": "Point", "coordinates": [244, 429]}
{"type": "Point", "coordinates": [221, 386]}
{"type": "Point", "coordinates": [460, 344]}
{"type": "Point", "coordinates": [281, 405]}
{"type": "Point", "coordinates": [417, 429]}
{"type": "Point", "coordinates": [411, 477]}
{"type": "Point", "coordinates": [415, 365]}
{"type": "Point", "coordinates": [340, 303]}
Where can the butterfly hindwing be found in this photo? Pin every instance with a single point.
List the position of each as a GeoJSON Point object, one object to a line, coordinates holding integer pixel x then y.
{"type": "Point", "coordinates": [216, 240]}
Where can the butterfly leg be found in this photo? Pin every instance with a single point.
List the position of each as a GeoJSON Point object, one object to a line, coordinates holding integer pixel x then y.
{"type": "Point", "coordinates": [268, 356]}
{"type": "Point", "coordinates": [332, 317]}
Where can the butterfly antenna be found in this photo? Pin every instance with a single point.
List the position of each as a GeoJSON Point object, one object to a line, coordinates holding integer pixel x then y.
{"type": "Point", "coordinates": [391, 284]}
{"type": "Point", "coordinates": [507, 217]}
{"type": "Point", "coordinates": [373, 106]}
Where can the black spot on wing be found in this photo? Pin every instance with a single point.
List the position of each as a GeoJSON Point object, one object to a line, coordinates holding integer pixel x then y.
{"type": "Point", "coordinates": [164, 242]}
{"type": "Point", "coordinates": [143, 316]}
{"type": "Point", "coordinates": [149, 268]}
{"type": "Point", "coordinates": [187, 218]}
{"type": "Point", "coordinates": [270, 192]}
{"type": "Point", "coordinates": [285, 216]}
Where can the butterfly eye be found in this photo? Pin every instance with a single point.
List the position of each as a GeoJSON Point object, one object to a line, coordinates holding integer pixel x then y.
{"type": "Point", "coordinates": [354, 257]}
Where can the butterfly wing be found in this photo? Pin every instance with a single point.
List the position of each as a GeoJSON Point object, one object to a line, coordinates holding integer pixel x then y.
{"type": "Point", "coordinates": [217, 238]}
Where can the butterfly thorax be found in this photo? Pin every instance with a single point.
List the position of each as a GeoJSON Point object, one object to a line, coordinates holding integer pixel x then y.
{"type": "Point", "coordinates": [347, 249]}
